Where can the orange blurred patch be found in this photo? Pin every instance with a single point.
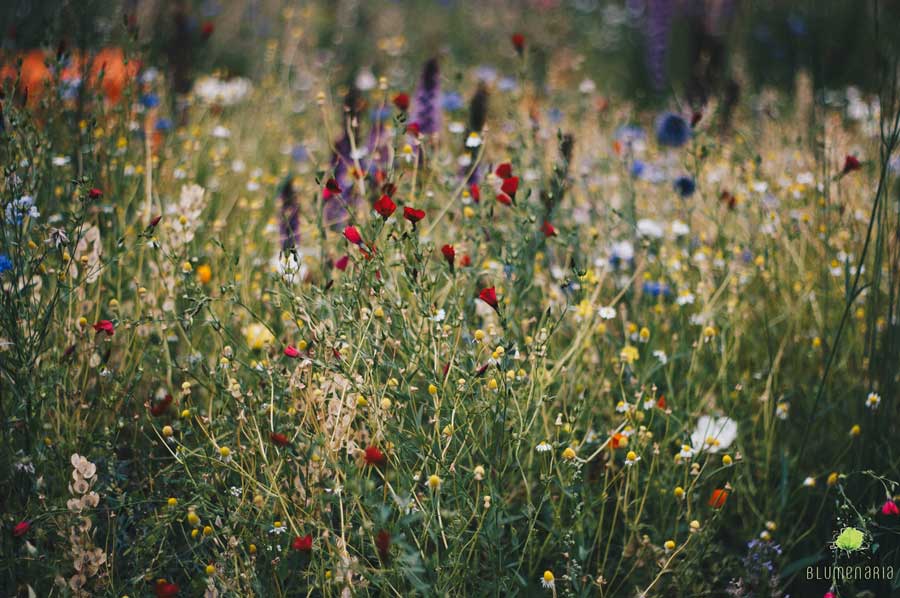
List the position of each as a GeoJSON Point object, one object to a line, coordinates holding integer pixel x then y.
{"type": "Point", "coordinates": [34, 76]}
{"type": "Point", "coordinates": [110, 70]}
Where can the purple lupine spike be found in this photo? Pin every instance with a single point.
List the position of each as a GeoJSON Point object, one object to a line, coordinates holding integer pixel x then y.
{"type": "Point", "coordinates": [659, 23]}
{"type": "Point", "coordinates": [289, 222]}
{"type": "Point", "coordinates": [378, 147]}
{"type": "Point", "coordinates": [341, 162]}
{"type": "Point", "coordinates": [427, 101]}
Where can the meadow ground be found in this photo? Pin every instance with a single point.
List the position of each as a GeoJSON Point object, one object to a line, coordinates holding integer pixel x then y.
{"type": "Point", "coordinates": [445, 331]}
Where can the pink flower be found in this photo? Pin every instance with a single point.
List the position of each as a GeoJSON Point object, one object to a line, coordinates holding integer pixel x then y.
{"type": "Point", "coordinates": [291, 351]}
{"type": "Point", "coordinates": [341, 264]}
{"type": "Point", "coordinates": [890, 508]}
{"type": "Point", "coordinates": [21, 529]}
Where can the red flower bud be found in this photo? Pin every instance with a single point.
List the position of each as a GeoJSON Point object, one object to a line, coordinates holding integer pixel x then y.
{"type": "Point", "coordinates": [548, 229]}
{"type": "Point", "coordinates": [95, 193]}
{"type": "Point", "coordinates": [449, 254]}
{"type": "Point", "coordinates": [291, 351]}
{"type": "Point", "coordinates": [385, 206]}
{"type": "Point", "coordinates": [341, 264]}
{"type": "Point", "coordinates": [717, 498]}
{"type": "Point", "coordinates": [412, 214]}
{"type": "Point", "coordinates": [888, 508]}
{"type": "Point", "coordinates": [353, 235]}
{"type": "Point", "coordinates": [518, 42]}
{"type": "Point", "coordinates": [165, 589]}
{"type": "Point", "coordinates": [401, 101]}
{"type": "Point", "coordinates": [21, 528]}
{"type": "Point", "coordinates": [374, 456]}
{"type": "Point", "coordinates": [279, 439]}
{"type": "Point", "coordinates": [475, 192]}
{"type": "Point", "coordinates": [155, 221]}
{"type": "Point", "coordinates": [413, 129]}
{"type": "Point", "coordinates": [489, 296]}
{"type": "Point", "coordinates": [466, 261]}
{"type": "Point", "coordinates": [504, 171]}
{"type": "Point", "coordinates": [302, 543]}
{"type": "Point", "coordinates": [851, 163]}
{"type": "Point", "coordinates": [105, 326]}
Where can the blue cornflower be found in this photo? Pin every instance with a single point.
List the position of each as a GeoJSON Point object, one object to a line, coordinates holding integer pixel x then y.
{"type": "Point", "coordinates": [150, 100]}
{"type": "Point", "coordinates": [672, 130]}
{"type": "Point", "coordinates": [299, 153]}
{"type": "Point", "coordinates": [163, 124]}
{"type": "Point", "coordinates": [5, 263]}
{"type": "Point", "coordinates": [685, 186]}
{"type": "Point", "coordinates": [452, 101]}
{"type": "Point", "coordinates": [637, 169]}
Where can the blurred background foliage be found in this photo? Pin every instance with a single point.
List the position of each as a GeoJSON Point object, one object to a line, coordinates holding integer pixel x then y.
{"type": "Point", "coordinates": [760, 43]}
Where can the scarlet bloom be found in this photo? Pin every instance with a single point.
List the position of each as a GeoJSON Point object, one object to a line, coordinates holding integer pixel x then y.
{"type": "Point", "coordinates": [412, 214]}
{"type": "Point", "coordinates": [717, 498]}
{"type": "Point", "coordinates": [95, 193]}
{"type": "Point", "coordinates": [383, 544]}
{"type": "Point", "coordinates": [353, 235]}
{"type": "Point", "coordinates": [449, 254]}
{"type": "Point", "coordinates": [504, 199]}
{"type": "Point", "coordinates": [510, 186]}
{"type": "Point", "coordinates": [385, 206]}
{"type": "Point", "coordinates": [466, 261]}
{"type": "Point", "coordinates": [518, 42]}
{"type": "Point", "coordinates": [890, 508]}
{"type": "Point", "coordinates": [401, 101]}
{"type": "Point", "coordinates": [504, 171]}
{"type": "Point", "coordinates": [105, 326]}
{"type": "Point", "coordinates": [291, 351]}
{"type": "Point", "coordinates": [331, 185]}
{"type": "Point", "coordinates": [160, 407]}
{"type": "Point", "coordinates": [413, 129]}
{"type": "Point", "coordinates": [548, 229]}
{"type": "Point", "coordinates": [851, 163]}
{"type": "Point", "coordinates": [341, 264]}
{"type": "Point", "coordinates": [302, 543]}
{"type": "Point", "coordinates": [661, 402]}
{"type": "Point", "coordinates": [475, 192]}
{"type": "Point", "coordinates": [374, 456]}
{"type": "Point", "coordinates": [279, 439]}
{"type": "Point", "coordinates": [489, 296]}
{"type": "Point", "coordinates": [165, 589]}
{"type": "Point", "coordinates": [21, 528]}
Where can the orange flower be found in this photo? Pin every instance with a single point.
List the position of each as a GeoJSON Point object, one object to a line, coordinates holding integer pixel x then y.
{"type": "Point", "coordinates": [718, 498]}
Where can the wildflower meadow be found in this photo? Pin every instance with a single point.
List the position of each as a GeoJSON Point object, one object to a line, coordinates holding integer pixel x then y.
{"type": "Point", "coordinates": [443, 298]}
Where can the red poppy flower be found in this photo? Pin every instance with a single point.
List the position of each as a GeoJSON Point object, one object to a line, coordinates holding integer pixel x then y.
{"type": "Point", "coordinates": [291, 351]}
{"type": "Point", "coordinates": [401, 101]}
{"type": "Point", "coordinates": [353, 235]}
{"type": "Point", "coordinates": [160, 407]}
{"type": "Point", "coordinates": [383, 544]}
{"type": "Point", "coordinates": [489, 296]}
{"type": "Point", "coordinates": [466, 261]}
{"type": "Point", "coordinates": [105, 326]}
{"type": "Point", "coordinates": [717, 498]}
{"type": "Point", "coordinates": [341, 264]}
{"type": "Point", "coordinates": [385, 206]}
{"type": "Point", "coordinates": [21, 528]}
{"type": "Point", "coordinates": [303, 543]}
{"type": "Point", "coordinates": [661, 402]}
{"type": "Point", "coordinates": [412, 214]}
{"type": "Point", "coordinates": [165, 589]}
{"type": "Point", "coordinates": [548, 229]}
{"type": "Point", "coordinates": [332, 186]}
{"type": "Point", "coordinates": [518, 42]}
{"type": "Point", "coordinates": [413, 129]}
{"type": "Point", "coordinates": [510, 186]}
{"type": "Point", "coordinates": [851, 163]}
{"type": "Point", "coordinates": [504, 199]}
{"type": "Point", "coordinates": [504, 171]}
{"type": "Point", "coordinates": [475, 192]}
{"type": "Point", "coordinates": [449, 254]}
{"type": "Point", "coordinates": [279, 439]}
{"type": "Point", "coordinates": [374, 456]}
{"type": "Point", "coordinates": [888, 508]}
{"type": "Point", "coordinates": [95, 193]}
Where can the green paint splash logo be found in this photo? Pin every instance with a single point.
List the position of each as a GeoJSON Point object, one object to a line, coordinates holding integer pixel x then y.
{"type": "Point", "coordinates": [850, 539]}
